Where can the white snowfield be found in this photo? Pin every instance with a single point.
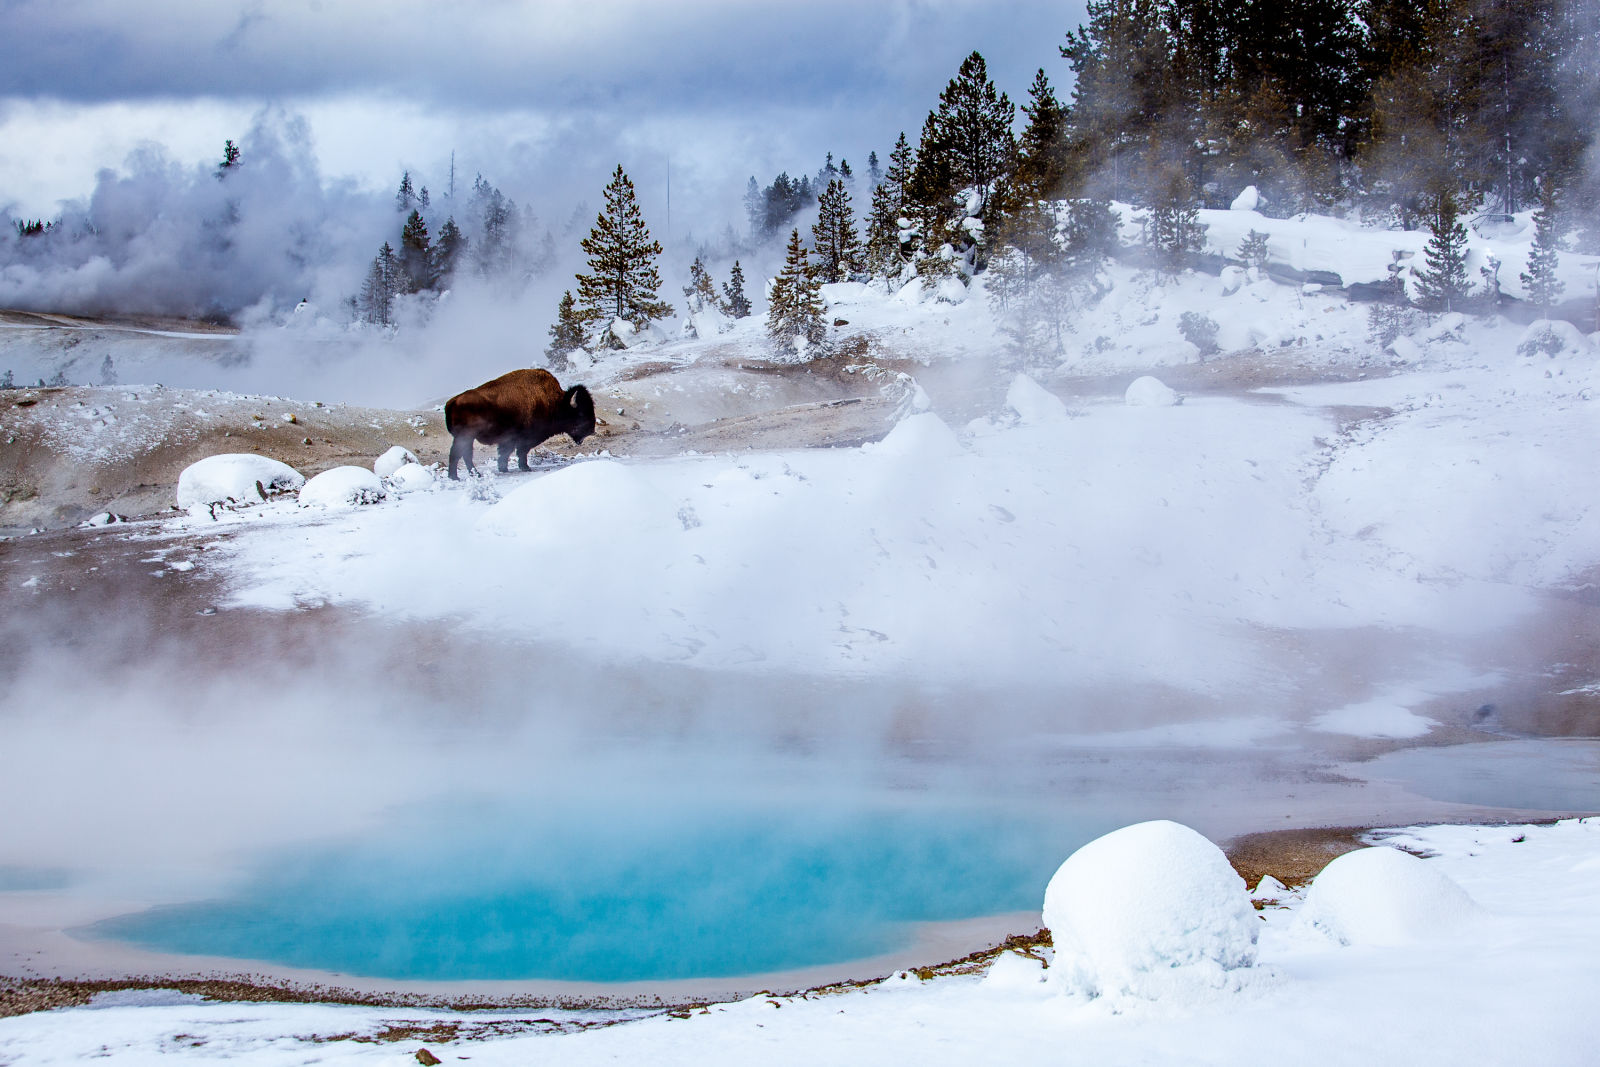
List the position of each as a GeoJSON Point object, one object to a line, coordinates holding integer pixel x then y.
{"type": "Point", "coordinates": [1514, 983]}
{"type": "Point", "coordinates": [236, 478]}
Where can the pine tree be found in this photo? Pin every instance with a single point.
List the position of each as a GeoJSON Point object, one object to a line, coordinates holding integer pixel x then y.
{"type": "Point", "coordinates": [1040, 153]}
{"type": "Point", "coordinates": [1442, 283]}
{"type": "Point", "coordinates": [1253, 249]}
{"type": "Point", "coordinates": [406, 198]}
{"type": "Point", "coordinates": [1540, 280]}
{"type": "Point", "coordinates": [794, 308]}
{"type": "Point", "coordinates": [383, 284]}
{"type": "Point", "coordinates": [972, 130]}
{"type": "Point", "coordinates": [497, 218]}
{"type": "Point", "coordinates": [837, 247]}
{"type": "Point", "coordinates": [884, 256]}
{"type": "Point", "coordinates": [448, 251]}
{"type": "Point", "coordinates": [622, 282]}
{"type": "Point", "coordinates": [755, 206]}
{"type": "Point", "coordinates": [1173, 231]}
{"type": "Point", "coordinates": [738, 304]}
{"type": "Point", "coordinates": [874, 172]}
{"type": "Point", "coordinates": [230, 159]}
{"type": "Point", "coordinates": [422, 198]}
{"type": "Point", "coordinates": [826, 173]}
{"type": "Point", "coordinates": [701, 291]}
{"type": "Point", "coordinates": [416, 255]}
{"type": "Point", "coordinates": [566, 333]}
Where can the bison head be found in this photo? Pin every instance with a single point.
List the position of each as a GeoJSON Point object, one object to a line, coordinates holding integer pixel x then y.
{"type": "Point", "coordinates": [580, 413]}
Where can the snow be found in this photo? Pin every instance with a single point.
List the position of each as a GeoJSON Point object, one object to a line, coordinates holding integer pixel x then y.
{"type": "Point", "coordinates": [392, 460]}
{"type": "Point", "coordinates": [1149, 911]}
{"type": "Point", "coordinates": [234, 477]}
{"type": "Point", "coordinates": [1374, 718]}
{"type": "Point", "coordinates": [342, 487]}
{"type": "Point", "coordinates": [410, 478]}
{"type": "Point", "coordinates": [1147, 391]}
{"type": "Point", "coordinates": [1033, 403]}
{"type": "Point", "coordinates": [1382, 896]}
{"type": "Point", "coordinates": [1512, 985]}
{"type": "Point", "coordinates": [1248, 200]}
{"type": "Point", "coordinates": [568, 508]}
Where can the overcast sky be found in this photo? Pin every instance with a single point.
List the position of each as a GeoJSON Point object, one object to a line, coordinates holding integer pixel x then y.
{"type": "Point", "coordinates": [543, 97]}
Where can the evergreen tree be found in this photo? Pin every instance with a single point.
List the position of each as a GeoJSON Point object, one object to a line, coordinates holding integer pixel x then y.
{"type": "Point", "coordinates": [972, 131]}
{"type": "Point", "coordinates": [423, 201]}
{"type": "Point", "coordinates": [497, 219]}
{"type": "Point", "coordinates": [737, 303]}
{"type": "Point", "coordinates": [874, 172]}
{"type": "Point", "coordinates": [1173, 231]}
{"type": "Point", "coordinates": [622, 282]}
{"type": "Point", "coordinates": [230, 159]}
{"type": "Point", "coordinates": [416, 255]}
{"type": "Point", "coordinates": [566, 333]}
{"type": "Point", "coordinates": [833, 237]}
{"type": "Point", "coordinates": [1442, 283]}
{"type": "Point", "coordinates": [448, 251]}
{"type": "Point", "coordinates": [1540, 280]}
{"type": "Point", "coordinates": [108, 371]}
{"type": "Point", "coordinates": [383, 284]}
{"type": "Point", "coordinates": [1253, 249]}
{"type": "Point", "coordinates": [1121, 61]}
{"type": "Point", "coordinates": [1041, 151]}
{"type": "Point", "coordinates": [846, 175]}
{"type": "Point", "coordinates": [405, 199]}
{"type": "Point", "coordinates": [7, 380]}
{"type": "Point", "coordinates": [755, 207]}
{"type": "Point", "coordinates": [794, 308]}
{"type": "Point", "coordinates": [826, 173]}
{"type": "Point", "coordinates": [884, 255]}
{"type": "Point", "coordinates": [701, 291]}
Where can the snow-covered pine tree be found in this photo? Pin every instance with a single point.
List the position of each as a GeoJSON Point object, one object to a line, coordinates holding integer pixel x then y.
{"type": "Point", "coordinates": [383, 284]}
{"type": "Point", "coordinates": [826, 173]}
{"type": "Point", "coordinates": [416, 255]}
{"type": "Point", "coordinates": [1253, 249]}
{"type": "Point", "coordinates": [498, 223]}
{"type": "Point", "coordinates": [884, 257]}
{"type": "Point", "coordinates": [1173, 232]}
{"type": "Point", "coordinates": [622, 282]}
{"type": "Point", "coordinates": [973, 130]}
{"type": "Point", "coordinates": [834, 239]}
{"type": "Point", "coordinates": [1041, 150]}
{"type": "Point", "coordinates": [1540, 280]}
{"type": "Point", "coordinates": [846, 175]}
{"type": "Point", "coordinates": [794, 310]}
{"type": "Point", "coordinates": [230, 159]}
{"type": "Point", "coordinates": [755, 206]}
{"type": "Point", "coordinates": [566, 333]}
{"type": "Point", "coordinates": [405, 199]}
{"type": "Point", "coordinates": [448, 251]}
{"type": "Point", "coordinates": [1442, 283]}
{"type": "Point", "coordinates": [738, 304]}
{"type": "Point", "coordinates": [874, 171]}
{"type": "Point", "coordinates": [701, 290]}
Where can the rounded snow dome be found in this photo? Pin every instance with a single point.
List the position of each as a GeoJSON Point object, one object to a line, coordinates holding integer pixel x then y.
{"type": "Point", "coordinates": [1151, 392]}
{"type": "Point", "coordinates": [409, 478]}
{"type": "Point", "coordinates": [342, 487]}
{"type": "Point", "coordinates": [1382, 896]}
{"type": "Point", "coordinates": [1146, 909]}
{"type": "Point", "coordinates": [392, 460]}
{"type": "Point", "coordinates": [238, 477]}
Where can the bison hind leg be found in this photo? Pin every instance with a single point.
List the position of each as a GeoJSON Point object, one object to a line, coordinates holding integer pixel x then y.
{"type": "Point", "coordinates": [504, 456]}
{"type": "Point", "coordinates": [522, 457]}
{"type": "Point", "coordinates": [461, 448]}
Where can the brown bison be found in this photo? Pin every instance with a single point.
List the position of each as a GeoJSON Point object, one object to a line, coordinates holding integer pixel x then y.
{"type": "Point", "coordinates": [516, 411]}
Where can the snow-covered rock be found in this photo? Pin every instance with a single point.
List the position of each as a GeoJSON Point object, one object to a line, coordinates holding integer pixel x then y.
{"type": "Point", "coordinates": [1033, 403]}
{"type": "Point", "coordinates": [1382, 896]}
{"type": "Point", "coordinates": [1249, 200]}
{"type": "Point", "coordinates": [1151, 392]}
{"type": "Point", "coordinates": [1148, 910]}
{"type": "Point", "coordinates": [409, 478]}
{"type": "Point", "coordinates": [392, 461]}
{"type": "Point", "coordinates": [924, 436]}
{"type": "Point", "coordinates": [1232, 279]}
{"type": "Point", "coordinates": [234, 477]}
{"type": "Point", "coordinates": [1446, 328]}
{"type": "Point", "coordinates": [1012, 973]}
{"type": "Point", "coordinates": [342, 487]}
{"type": "Point", "coordinates": [950, 291]}
{"type": "Point", "coordinates": [844, 293]}
{"type": "Point", "coordinates": [911, 293]}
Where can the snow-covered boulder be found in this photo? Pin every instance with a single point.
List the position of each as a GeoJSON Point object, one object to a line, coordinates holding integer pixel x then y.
{"type": "Point", "coordinates": [1012, 973]}
{"type": "Point", "coordinates": [1249, 200]}
{"type": "Point", "coordinates": [1447, 327]}
{"type": "Point", "coordinates": [922, 436]}
{"type": "Point", "coordinates": [409, 478]}
{"type": "Point", "coordinates": [234, 477]}
{"type": "Point", "coordinates": [1233, 278]}
{"type": "Point", "coordinates": [950, 291]}
{"type": "Point", "coordinates": [1553, 337]}
{"type": "Point", "coordinates": [392, 461]}
{"type": "Point", "coordinates": [1382, 896]}
{"type": "Point", "coordinates": [1146, 911]}
{"type": "Point", "coordinates": [911, 293]}
{"type": "Point", "coordinates": [1033, 403]}
{"type": "Point", "coordinates": [342, 487]}
{"type": "Point", "coordinates": [1151, 392]}
{"type": "Point", "coordinates": [846, 293]}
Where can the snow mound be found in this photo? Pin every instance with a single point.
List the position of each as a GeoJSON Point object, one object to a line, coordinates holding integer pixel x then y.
{"type": "Point", "coordinates": [911, 293]}
{"type": "Point", "coordinates": [842, 293]}
{"type": "Point", "coordinates": [409, 478]}
{"type": "Point", "coordinates": [950, 291]}
{"type": "Point", "coordinates": [1248, 200]}
{"type": "Point", "coordinates": [237, 477]}
{"type": "Point", "coordinates": [392, 461]}
{"type": "Point", "coordinates": [600, 498]}
{"type": "Point", "coordinates": [1032, 402]}
{"type": "Point", "coordinates": [1150, 392]}
{"type": "Point", "coordinates": [1146, 911]}
{"type": "Point", "coordinates": [342, 487]}
{"type": "Point", "coordinates": [1012, 972]}
{"type": "Point", "coordinates": [1552, 337]}
{"type": "Point", "coordinates": [924, 435]}
{"type": "Point", "coordinates": [1382, 896]}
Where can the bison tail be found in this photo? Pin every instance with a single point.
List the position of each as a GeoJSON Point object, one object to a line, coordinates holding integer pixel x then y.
{"type": "Point", "coordinates": [449, 416]}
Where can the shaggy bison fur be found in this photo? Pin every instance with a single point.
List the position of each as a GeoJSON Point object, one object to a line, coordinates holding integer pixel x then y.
{"type": "Point", "coordinates": [516, 411]}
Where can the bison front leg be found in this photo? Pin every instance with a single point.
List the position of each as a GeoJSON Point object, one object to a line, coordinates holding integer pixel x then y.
{"type": "Point", "coordinates": [461, 449]}
{"type": "Point", "coordinates": [505, 456]}
{"type": "Point", "coordinates": [522, 457]}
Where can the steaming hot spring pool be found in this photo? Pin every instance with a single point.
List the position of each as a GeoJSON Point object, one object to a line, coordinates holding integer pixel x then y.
{"type": "Point", "coordinates": [633, 896]}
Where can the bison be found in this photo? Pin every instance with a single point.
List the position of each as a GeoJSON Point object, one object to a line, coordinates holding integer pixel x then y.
{"type": "Point", "coordinates": [516, 411]}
